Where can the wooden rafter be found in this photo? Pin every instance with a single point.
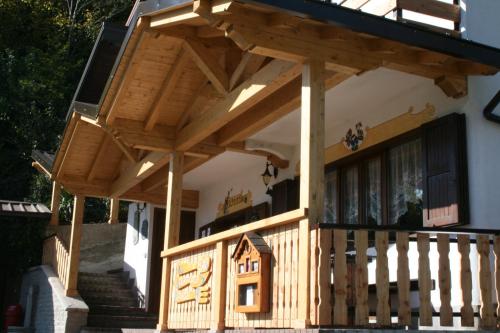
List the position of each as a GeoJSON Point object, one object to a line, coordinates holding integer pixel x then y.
{"type": "Point", "coordinates": [131, 67]}
{"type": "Point", "coordinates": [251, 31]}
{"type": "Point", "coordinates": [208, 64]}
{"type": "Point", "coordinates": [60, 171]}
{"type": "Point", "coordinates": [167, 88]}
{"type": "Point", "coordinates": [190, 108]}
{"type": "Point", "coordinates": [138, 172]}
{"type": "Point", "coordinates": [268, 110]}
{"type": "Point", "coordinates": [263, 83]}
{"type": "Point", "coordinates": [99, 156]}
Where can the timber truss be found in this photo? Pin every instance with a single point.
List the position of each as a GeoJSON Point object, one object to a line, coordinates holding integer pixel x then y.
{"type": "Point", "coordinates": [203, 77]}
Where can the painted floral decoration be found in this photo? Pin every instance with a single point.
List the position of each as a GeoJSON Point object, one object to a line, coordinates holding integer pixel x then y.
{"type": "Point", "coordinates": [354, 139]}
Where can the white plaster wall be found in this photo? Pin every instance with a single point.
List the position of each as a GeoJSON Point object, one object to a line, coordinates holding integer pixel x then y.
{"type": "Point", "coordinates": [247, 179]}
{"type": "Point", "coordinates": [136, 257]}
{"type": "Point", "coordinates": [482, 24]}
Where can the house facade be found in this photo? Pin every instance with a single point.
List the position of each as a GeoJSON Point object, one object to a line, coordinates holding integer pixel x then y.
{"type": "Point", "coordinates": [355, 141]}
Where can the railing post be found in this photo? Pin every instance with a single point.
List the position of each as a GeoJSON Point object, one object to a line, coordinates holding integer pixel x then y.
{"type": "Point", "coordinates": [74, 247]}
{"type": "Point", "coordinates": [312, 146]}
{"type": "Point", "coordinates": [114, 209]}
{"type": "Point", "coordinates": [219, 292]}
{"type": "Point", "coordinates": [172, 224]}
{"type": "Point", "coordinates": [55, 202]}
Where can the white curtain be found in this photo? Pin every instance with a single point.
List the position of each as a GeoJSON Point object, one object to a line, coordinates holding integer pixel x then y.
{"type": "Point", "coordinates": [374, 192]}
{"type": "Point", "coordinates": [405, 179]}
{"type": "Point", "coordinates": [351, 197]}
{"type": "Point", "coordinates": [331, 197]}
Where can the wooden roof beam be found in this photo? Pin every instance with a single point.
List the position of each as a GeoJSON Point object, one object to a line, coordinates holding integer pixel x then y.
{"type": "Point", "coordinates": [99, 156]}
{"type": "Point", "coordinates": [178, 16]}
{"type": "Point", "coordinates": [60, 170]}
{"type": "Point", "coordinates": [166, 90]}
{"type": "Point", "coordinates": [138, 172]}
{"type": "Point", "coordinates": [131, 67]}
{"type": "Point", "coordinates": [262, 84]}
{"type": "Point", "coordinates": [208, 64]}
{"type": "Point", "coordinates": [250, 30]}
{"type": "Point", "coordinates": [268, 110]}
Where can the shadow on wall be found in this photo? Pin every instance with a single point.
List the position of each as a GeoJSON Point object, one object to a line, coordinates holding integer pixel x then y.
{"type": "Point", "coordinates": [102, 246]}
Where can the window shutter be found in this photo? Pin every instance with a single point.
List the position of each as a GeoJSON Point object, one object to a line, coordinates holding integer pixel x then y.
{"type": "Point", "coordinates": [445, 197]}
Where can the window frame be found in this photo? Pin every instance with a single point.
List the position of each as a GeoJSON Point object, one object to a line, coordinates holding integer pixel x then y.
{"type": "Point", "coordinates": [360, 159]}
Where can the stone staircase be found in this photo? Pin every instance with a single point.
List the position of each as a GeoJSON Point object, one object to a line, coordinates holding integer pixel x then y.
{"type": "Point", "coordinates": [113, 306]}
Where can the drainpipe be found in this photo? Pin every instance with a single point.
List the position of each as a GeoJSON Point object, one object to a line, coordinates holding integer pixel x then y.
{"type": "Point", "coordinates": [488, 110]}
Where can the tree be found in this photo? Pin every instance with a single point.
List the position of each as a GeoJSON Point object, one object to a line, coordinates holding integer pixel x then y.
{"type": "Point", "coordinates": [44, 45]}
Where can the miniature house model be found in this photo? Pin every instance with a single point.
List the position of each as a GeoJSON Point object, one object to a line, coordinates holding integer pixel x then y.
{"type": "Point", "coordinates": [253, 260]}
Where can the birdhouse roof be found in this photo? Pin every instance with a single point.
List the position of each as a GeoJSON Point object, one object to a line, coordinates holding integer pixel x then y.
{"type": "Point", "coordinates": [255, 240]}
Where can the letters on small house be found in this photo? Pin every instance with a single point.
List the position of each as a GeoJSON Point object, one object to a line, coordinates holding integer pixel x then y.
{"type": "Point", "coordinates": [253, 260]}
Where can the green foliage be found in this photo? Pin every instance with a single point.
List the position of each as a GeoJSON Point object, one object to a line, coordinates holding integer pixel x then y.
{"type": "Point", "coordinates": [44, 46]}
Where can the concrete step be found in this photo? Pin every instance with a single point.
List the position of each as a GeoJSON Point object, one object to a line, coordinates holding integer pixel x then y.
{"type": "Point", "coordinates": [93, 300]}
{"type": "Point", "coordinates": [114, 321]}
{"type": "Point", "coordinates": [116, 330]}
{"type": "Point", "coordinates": [120, 310]}
{"type": "Point", "coordinates": [110, 283]}
{"type": "Point", "coordinates": [96, 291]}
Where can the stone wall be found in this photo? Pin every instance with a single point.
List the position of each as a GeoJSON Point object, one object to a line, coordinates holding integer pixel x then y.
{"type": "Point", "coordinates": [51, 310]}
{"type": "Point", "coordinates": [101, 248]}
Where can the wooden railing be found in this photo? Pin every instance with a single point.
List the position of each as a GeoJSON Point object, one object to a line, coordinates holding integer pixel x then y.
{"type": "Point", "coordinates": [447, 14]}
{"type": "Point", "coordinates": [55, 254]}
{"type": "Point", "coordinates": [212, 306]}
{"type": "Point", "coordinates": [401, 278]}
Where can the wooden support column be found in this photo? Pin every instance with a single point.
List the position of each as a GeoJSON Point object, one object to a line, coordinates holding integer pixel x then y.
{"type": "Point", "coordinates": [312, 146]}
{"type": "Point", "coordinates": [219, 293]}
{"type": "Point", "coordinates": [114, 209]}
{"type": "Point", "coordinates": [74, 246]}
{"type": "Point", "coordinates": [54, 203]}
{"type": "Point", "coordinates": [172, 225]}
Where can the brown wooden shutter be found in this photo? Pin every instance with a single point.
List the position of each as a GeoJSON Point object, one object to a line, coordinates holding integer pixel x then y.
{"type": "Point", "coordinates": [445, 172]}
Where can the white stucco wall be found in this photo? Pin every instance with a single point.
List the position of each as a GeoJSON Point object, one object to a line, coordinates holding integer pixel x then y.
{"type": "Point", "coordinates": [136, 258]}
{"type": "Point", "coordinates": [247, 179]}
{"type": "Point", "coordinates": [482, 24]}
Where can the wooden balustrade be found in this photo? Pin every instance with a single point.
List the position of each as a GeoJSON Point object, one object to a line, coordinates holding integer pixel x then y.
{"type": "Point", "coordinates": [383, 281]}
{"type": "Point", "coordinates": [212, 305]}
{"type": "Point", "coordinates": [362, 277]}
{"type": "Point", "coordinates": [448, 14]}
{"type": "Point", "coordinates": [56, 255]}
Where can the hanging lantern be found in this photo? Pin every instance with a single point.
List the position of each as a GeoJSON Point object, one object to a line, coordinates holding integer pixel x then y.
{"type": "Point", "coordinates": [266, 176]}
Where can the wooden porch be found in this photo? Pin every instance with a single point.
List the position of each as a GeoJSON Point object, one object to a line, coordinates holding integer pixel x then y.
{"type": "Point", "coordinates": [340, 293]}
{"type": "Point", "coordinates": [198, 79]}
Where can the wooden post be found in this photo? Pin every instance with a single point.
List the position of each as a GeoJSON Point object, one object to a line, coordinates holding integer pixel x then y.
{"type": "Point", "coordinates": [361, 278]}
{"type": "Point", "coordinates": [55, 202]}
{"type": "Point", "coordinates": [424, 280]}
{"type": "Point", "coordinates": [446, 312]}
{"type": "Point", "coordinates": [487, 319]}
{"type": "Point", "coordinates": [466, 311]}
{"type": "Point", "coordinates": [114, 209]}
{"type": "Point", "coordinates": [312, 146]}
{"type": "Point", "coordinates": [382, 278]}
{"type": "Point", "coordinates": [340, 278]}
{"type": "Point", "coordinates": [325, 276]}
{"type": "Point", "coordinates": [219, 292]}
{"type": "Point", "coordinates": [404, 311]}
{"type": "Point", "coordinates": [74, 247]}
{"type": "Point", "coordinates": [496, 248]}
{"type": "Point", "coordinates": [172, 224]}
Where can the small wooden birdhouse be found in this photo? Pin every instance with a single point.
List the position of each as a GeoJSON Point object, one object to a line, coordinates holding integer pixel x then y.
{"type": "Point", "coordinates": [253, 263]}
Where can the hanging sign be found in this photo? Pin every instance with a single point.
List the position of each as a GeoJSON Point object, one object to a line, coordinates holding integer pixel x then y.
{"type": "Point", "coordinates": [234, 203]}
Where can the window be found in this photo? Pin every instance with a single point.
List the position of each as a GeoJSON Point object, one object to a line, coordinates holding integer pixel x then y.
{"type": "Point", "coordinates": [415, 179]}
